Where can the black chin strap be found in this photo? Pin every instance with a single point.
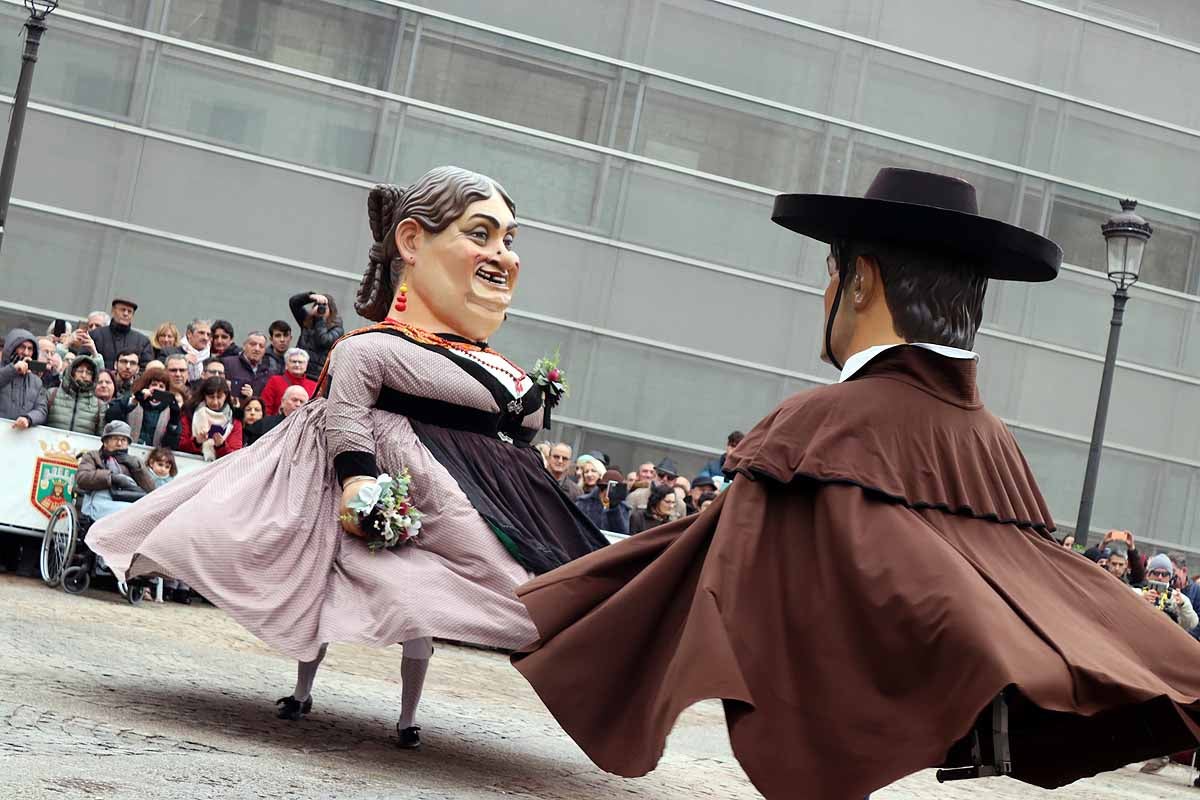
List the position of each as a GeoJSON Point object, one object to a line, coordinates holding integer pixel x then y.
{"type": "Point", "coordinates": [838, 249]}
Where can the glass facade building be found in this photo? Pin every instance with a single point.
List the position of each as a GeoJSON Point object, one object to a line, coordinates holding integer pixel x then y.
{"type": "Point", "coordinates": [210, 157]}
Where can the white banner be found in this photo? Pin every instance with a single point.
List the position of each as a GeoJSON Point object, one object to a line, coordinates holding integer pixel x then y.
{"type": "Point", "coordinates": [37, 472]}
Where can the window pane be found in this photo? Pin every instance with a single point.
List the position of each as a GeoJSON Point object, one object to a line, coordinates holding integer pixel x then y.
{"type": "Point", "coordinates": [130, 12]}
{"type": "Point", "coordinates": [1075, 221]}
{"type": "Point", "coordinates": [767, 58]}
{"type": "Point", "coordinates": [78, 67]}
{"type": "Point", "coordinates": [549, 182]}
{"type": "Point", "coordinates": [728, 138]}
{"type": "Point", "coordinates": [480, 73]}
{"type": "Point", "coordinates": [291, 120]}
{"type": "Point", "coordinates": [347, 40]}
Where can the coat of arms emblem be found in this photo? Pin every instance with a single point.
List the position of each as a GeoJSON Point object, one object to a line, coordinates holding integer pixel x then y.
{"type": "Point", "coordinates": [53, 484]}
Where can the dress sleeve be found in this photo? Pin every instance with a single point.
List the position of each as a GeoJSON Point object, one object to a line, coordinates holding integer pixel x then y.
{"type": "Point", "coordinates": [356, 368]}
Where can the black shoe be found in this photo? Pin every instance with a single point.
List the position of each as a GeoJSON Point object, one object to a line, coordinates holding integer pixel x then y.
{"type": "Point", "coordinates": [181, 596]}
{"type": "Point", "coordinates": [1196, 783]}
{"type": "Point", "coordinates": [293, 709]}
{"type": "Point", "coordinates": [410, 738]}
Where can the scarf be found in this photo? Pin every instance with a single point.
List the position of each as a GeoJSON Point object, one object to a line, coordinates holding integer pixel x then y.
{"type": "Point", "coordinates": [197, 369]}
{"type": "Point", "coordinates": [204, 418]}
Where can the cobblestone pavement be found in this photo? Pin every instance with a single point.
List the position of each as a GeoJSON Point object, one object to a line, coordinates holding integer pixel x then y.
{"type": "Point", "coordinates": [101, 700]}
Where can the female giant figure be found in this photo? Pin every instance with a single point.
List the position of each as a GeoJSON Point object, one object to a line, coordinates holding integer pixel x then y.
{"type": "Point", "coordinates": [258, 532]}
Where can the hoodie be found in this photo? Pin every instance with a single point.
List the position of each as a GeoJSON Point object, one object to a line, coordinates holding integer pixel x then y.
{"type": "Point", "coordinates": [20, 395]}
{"type": "Point", "coordinates": [74, 406]}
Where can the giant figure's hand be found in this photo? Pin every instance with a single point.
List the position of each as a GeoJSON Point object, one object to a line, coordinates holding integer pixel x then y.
{"type": "Point", "coordinates": [347, 517]}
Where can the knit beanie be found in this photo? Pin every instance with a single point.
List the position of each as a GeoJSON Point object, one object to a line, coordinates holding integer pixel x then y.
{"type": "Point", "coordinates": [1160, 561]}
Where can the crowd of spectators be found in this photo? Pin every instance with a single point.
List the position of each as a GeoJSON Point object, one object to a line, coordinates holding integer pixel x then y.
{"type": "Point", "coordinates": [1161, 580]}
{"type": "Point", "coordinates": [638, 501]}
{"type": "Point", "coordinates": [198, 392]}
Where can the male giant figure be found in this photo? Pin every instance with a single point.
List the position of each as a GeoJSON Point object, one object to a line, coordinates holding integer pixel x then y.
{"type": "Point", "coordinates": [878, 590]}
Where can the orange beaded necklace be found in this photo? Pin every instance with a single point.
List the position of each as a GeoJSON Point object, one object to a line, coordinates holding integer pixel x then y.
{"type": "Point", "coordinates": [467, 350]}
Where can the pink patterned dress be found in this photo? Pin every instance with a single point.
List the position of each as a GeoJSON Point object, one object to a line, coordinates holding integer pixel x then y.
{"type": "Point", "coordinates": [257, 532]}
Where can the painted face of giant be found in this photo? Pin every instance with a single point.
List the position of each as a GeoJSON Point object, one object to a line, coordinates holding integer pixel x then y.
{"type": "Point", "coordinates": [464, 276]}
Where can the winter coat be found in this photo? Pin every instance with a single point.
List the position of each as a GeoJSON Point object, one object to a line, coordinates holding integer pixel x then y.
{"type": "Point", "coordinates": [641, 520]}
{"type": "Point", "coordinates": [256, 430]}
{"type": "Point", "coordinates": [152, 427]}
{"type": "Point", "coordinates": [272, 395]}
{"type": "Point", "coordinates": [188, 445]}
{"type": "Point", "coordinates": [713, 469]}
{"type": "Point", "coordinates": [614, 519]}
{"type": "Point", "coordinates": [316, 340]}
{"type": "Point", "coordinates": [21, 395]}
{"type": "Point", "coordinates": [239, 371]}
{"type": "Point", "coordinates": [161, 353]}
{"type": "Point", "coordinates": [275, 362]}
{"type": "Point", "coordinates": [93, 475]}
{"type": "Point", "coordinates": [75, 407]}
{"type": "Point", "coordinates": [113, 338]}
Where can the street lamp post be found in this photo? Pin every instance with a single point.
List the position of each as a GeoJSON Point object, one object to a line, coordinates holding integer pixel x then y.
{"type": "Point", "coordinates": [35, 26]}
{"type": "Point", "coordinates": [1125, 236]}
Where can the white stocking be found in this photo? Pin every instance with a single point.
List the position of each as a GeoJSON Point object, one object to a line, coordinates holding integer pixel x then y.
{"type": "Point", "coordinates": [413, 666]}
{"type": "Point", "coordinates": [306, 673]}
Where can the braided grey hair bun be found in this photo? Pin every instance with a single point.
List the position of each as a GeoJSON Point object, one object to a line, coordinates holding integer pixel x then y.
{"type": "Point", "coordinates": [438, 198]}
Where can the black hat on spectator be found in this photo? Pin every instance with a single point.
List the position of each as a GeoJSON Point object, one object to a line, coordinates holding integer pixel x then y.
{"type": "Point", "coordinates": [668, 468]}
{"type": "Point", "coordinates": [599, 456]}
{"type": "Point", "coordinates": [704, 480]}
{"type": "Point", "coordinates": [612, 475]}
{"type": "Point", "coordinates": [123, 301]}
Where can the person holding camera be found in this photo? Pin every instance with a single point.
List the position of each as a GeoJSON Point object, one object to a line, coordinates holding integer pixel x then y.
{"type": "Point", "coordinates": [22, 395]}
{"type": "Point", "coordinates": [1161, 593]}
{"type": "Point", "coordinates": [152, 411]}
{"type": "Point", "coordinates": [605, 504]}
{"type": "Point", "coordinates": [320, 327]}
{"type": "Point", "coordinates": [1125, 562]}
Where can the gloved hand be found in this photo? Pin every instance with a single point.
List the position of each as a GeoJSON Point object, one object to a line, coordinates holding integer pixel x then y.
{"type": "Point", "coordinates": [123, 482]}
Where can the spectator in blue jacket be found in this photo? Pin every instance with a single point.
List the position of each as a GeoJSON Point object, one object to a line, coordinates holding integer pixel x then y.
{"type": "Point", "coordinates": [605, 504]}
{"type": "Point", "coordinates": [716, 467]}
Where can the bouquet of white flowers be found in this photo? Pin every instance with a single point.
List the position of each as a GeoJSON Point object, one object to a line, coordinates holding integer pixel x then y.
{"type": "Point", "coordinates": [384, 511]}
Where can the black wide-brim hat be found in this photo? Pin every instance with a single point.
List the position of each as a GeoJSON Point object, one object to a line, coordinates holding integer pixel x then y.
{"type": "Point", "coordinates": [925, 210]}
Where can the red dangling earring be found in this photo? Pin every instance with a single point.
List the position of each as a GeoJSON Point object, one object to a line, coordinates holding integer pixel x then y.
{"type": "Point", "coordinates": [402, 299]}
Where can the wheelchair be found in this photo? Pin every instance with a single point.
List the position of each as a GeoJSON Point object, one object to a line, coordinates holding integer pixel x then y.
{"type": "Point", "coordinates": [67, 561]}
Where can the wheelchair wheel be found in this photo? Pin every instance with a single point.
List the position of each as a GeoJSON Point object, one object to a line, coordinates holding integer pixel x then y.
{"type": "Point", "coordinates": [58, 544]}
{"type": "Point", "coordinates": [133, 591]}
{"type": "Point", "coordinates": [76, 580]}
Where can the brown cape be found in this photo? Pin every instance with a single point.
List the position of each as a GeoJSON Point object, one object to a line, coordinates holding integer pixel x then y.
{"type": "Point", "coordinates": [880, 570]}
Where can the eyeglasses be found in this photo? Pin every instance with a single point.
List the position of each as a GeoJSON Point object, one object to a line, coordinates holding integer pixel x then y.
{"type": "Point", "coordinates": [1158, 573]}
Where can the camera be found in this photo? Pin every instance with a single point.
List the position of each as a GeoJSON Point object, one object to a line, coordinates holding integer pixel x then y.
{"type": "Point", "coordinates": [321, 308]}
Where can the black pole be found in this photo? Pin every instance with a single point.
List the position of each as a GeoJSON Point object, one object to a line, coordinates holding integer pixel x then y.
{"type": "Point", "coordinates": [1084, 522]}
{"type": "Point", "coordinates": [34, 28]}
